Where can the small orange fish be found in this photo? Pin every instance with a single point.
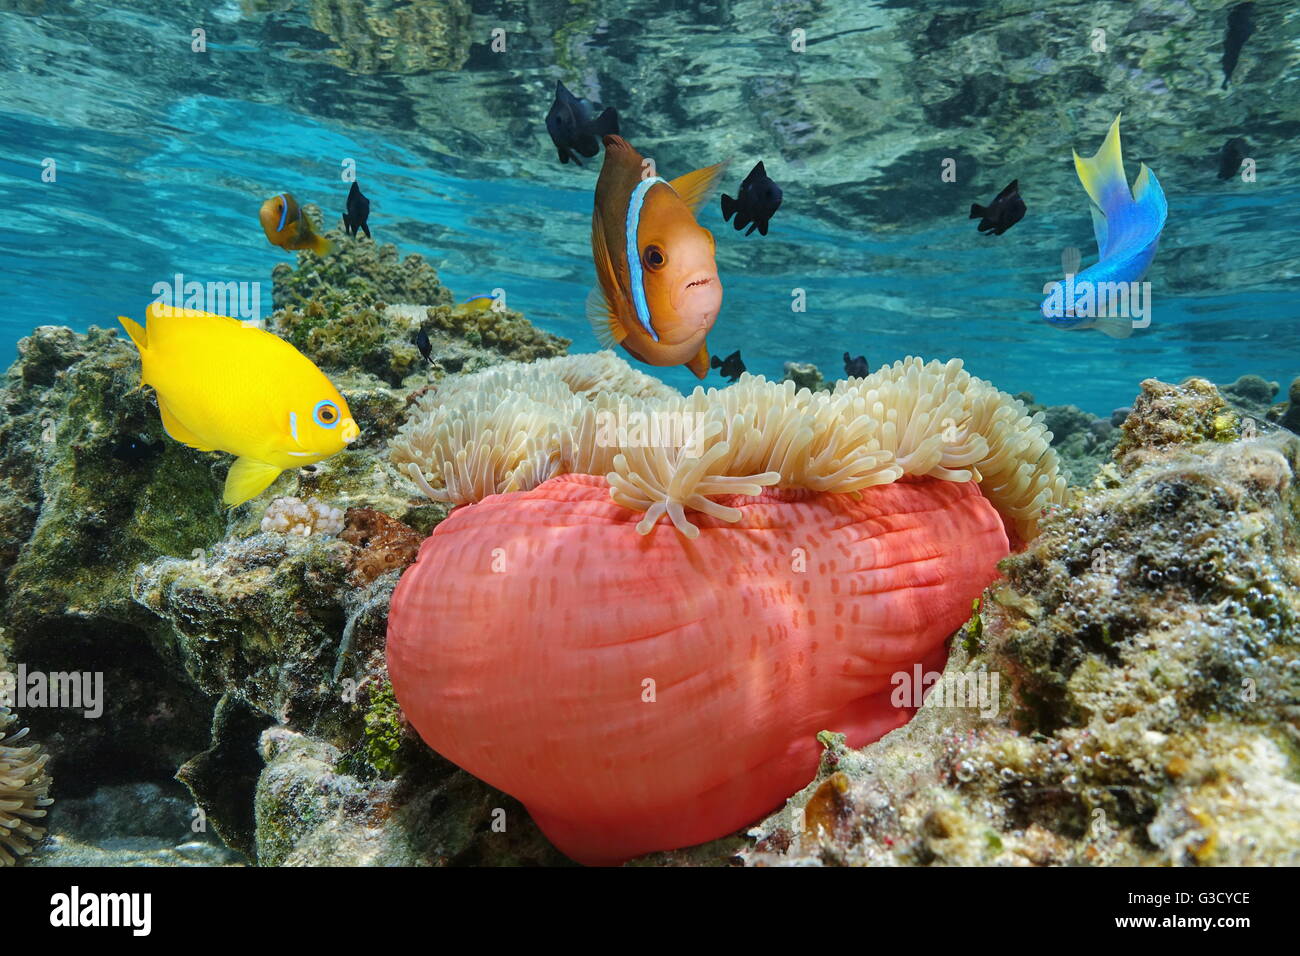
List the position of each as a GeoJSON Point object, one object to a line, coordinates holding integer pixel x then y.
{"type": "Point", "coordinates": [288, 227]}
{"type": "Point", "coordinates": [659, 292]}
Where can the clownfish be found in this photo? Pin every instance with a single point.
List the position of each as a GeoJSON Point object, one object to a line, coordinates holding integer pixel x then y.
{"type": "Point", "coordinates": [658, 291]}
{"type": "Point", "coordinates": [288, 227]}
{"type": "Point", "coordinates": [223, 385]}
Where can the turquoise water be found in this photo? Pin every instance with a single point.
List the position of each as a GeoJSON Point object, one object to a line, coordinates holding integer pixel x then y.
{"type": "Point", "coordinates": [164, 155]}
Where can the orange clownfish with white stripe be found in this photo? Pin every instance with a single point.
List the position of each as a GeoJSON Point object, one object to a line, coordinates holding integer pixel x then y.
{"type": "Point", "coordinates": [658, 292]}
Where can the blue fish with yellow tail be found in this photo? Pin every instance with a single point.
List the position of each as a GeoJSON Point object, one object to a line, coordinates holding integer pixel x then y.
{"type": "Point", "coordinates": [1127, 225]}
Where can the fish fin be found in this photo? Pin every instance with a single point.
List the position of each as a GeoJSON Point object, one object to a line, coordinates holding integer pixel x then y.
{"type": "Point", "coordinates": [752, 227]}
{"type": "Point", "coordinates": [700, 364]}
{"type": "Point", "coordinates": [173, 427]}
{"type": "Point", "coordinates": [137, 332]}
{"type": "Point", "coordinates": [695, 187]}
{"type": "Point", "coordinates": [1012, 188]}
{"type": "Point", "coordinates": [1102, 174]}
{"type": "Point", "coordinates": [1147, 192]}
{"type": "Point", "coordinates": [607, 123]}
{"type": "Point", "coordinates": [247, 479]}
{"type": "Point", "coordinates": [365, 227]}
{"type": "Point", "coordinates": [320, 245]}
{"type": "Point", "coordinates": [609, 331]}
{"type": "Point", "coordinates": [600, 304]}
{"type": "Point", "coordinates": [728, 207]}
{"type": "Point", "coordinates": [1115, 326]}
{"type": "Point", "coordinates": [977, 211]}
{"type": "Point", "coordinates": [1099, 229]}
{"type": "Point", "coordinates": [616, 144]}
{"type": "Point", "coordinates": [762, 228]}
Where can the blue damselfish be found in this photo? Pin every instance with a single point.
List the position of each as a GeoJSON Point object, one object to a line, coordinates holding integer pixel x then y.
{"type": "Point", "coordinates": [1127, 226]}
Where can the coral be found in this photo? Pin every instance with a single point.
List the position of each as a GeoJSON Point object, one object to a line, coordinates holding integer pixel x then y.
{"type": "Point", "coordinates": [345, 311]}
{"type": "Point", "coordinates": [524, 642]}
{"type": "Point", "coordinates": [1165, 416]}
{"type": "Point", "coordinates": [906, 419]}
{"type": "Point", "coordinates": [382, 544]}
{"type": "Point", "coordinates": [24, 792]}
{"type": "Point", "coordinates": [805, 375]}
{"type": "Point", "coordinates": [355, 273]}
{"type": "Point", "coordinates": [503, 331]}
{"type": "Point", "coordinates": [370, 338]}
{"type": "Point", "coordinates": [303, 518]}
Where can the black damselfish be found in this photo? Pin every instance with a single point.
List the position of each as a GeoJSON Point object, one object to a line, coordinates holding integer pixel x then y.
{"type": "Point", "coordinates": [1241, 24]}
{"type": "Point", "coordinates": [731, 367]}
{"type": "Point", "coordinates": [423, 344]}
{"type": "Point", "coordinates": [574, 126]}
{"type": "Point", "coordinates": [358, 212]}
{"type": "Point", "coordinates": [856, 367]}
{"type": "Point", "coordinates": [757, 203]}
{"type": "Point", "coordinates": [1002, 213]}
{"type": "Point", "coordinates": [1231, 156]}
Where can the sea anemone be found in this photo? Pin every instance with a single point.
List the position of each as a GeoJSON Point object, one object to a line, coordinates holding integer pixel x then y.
{"type": "Point", "coordinates": [510, 429]}
{"type": "Point", "coordinates": [648, 691]}
{"type": "Point", "coordinates": [24, 786]}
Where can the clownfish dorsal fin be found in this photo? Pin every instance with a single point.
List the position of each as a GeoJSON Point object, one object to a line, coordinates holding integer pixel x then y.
{"type": "Point", "coordinates": [617, 144]}
{"type": "Point", "coordinates": [600, 307]}
{"type": "Point", "coordinates": [694, 188]}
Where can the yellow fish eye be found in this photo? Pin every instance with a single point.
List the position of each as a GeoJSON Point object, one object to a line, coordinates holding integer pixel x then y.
{"type": "Point", "coordinates": [326, 414]}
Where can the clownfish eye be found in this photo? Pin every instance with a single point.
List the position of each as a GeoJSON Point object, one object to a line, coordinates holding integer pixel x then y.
{"type": "Point", "coordinates": [653, 257]}
{"type": "Point", "coordinates": [326, 414]}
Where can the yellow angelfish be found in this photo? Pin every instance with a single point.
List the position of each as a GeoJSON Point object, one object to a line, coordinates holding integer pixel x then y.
{"type": "Point", "coordinates": [226, 386]}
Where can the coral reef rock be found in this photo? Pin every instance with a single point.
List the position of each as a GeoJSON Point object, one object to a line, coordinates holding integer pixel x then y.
{"type": "Point", "coordinates": [1144, 710]}
{"type": "Point", "coordinates": [311, 812]}
{"type": "Point", "coordinates": [359, 308]}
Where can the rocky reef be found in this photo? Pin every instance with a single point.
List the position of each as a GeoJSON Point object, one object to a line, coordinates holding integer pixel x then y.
{"type": "Point", "coordinates": [1141, 657]}
{"type": "Point", "coordinates": [118, 560]}
{"type": "Point", "coordinates": [1138, 657]}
